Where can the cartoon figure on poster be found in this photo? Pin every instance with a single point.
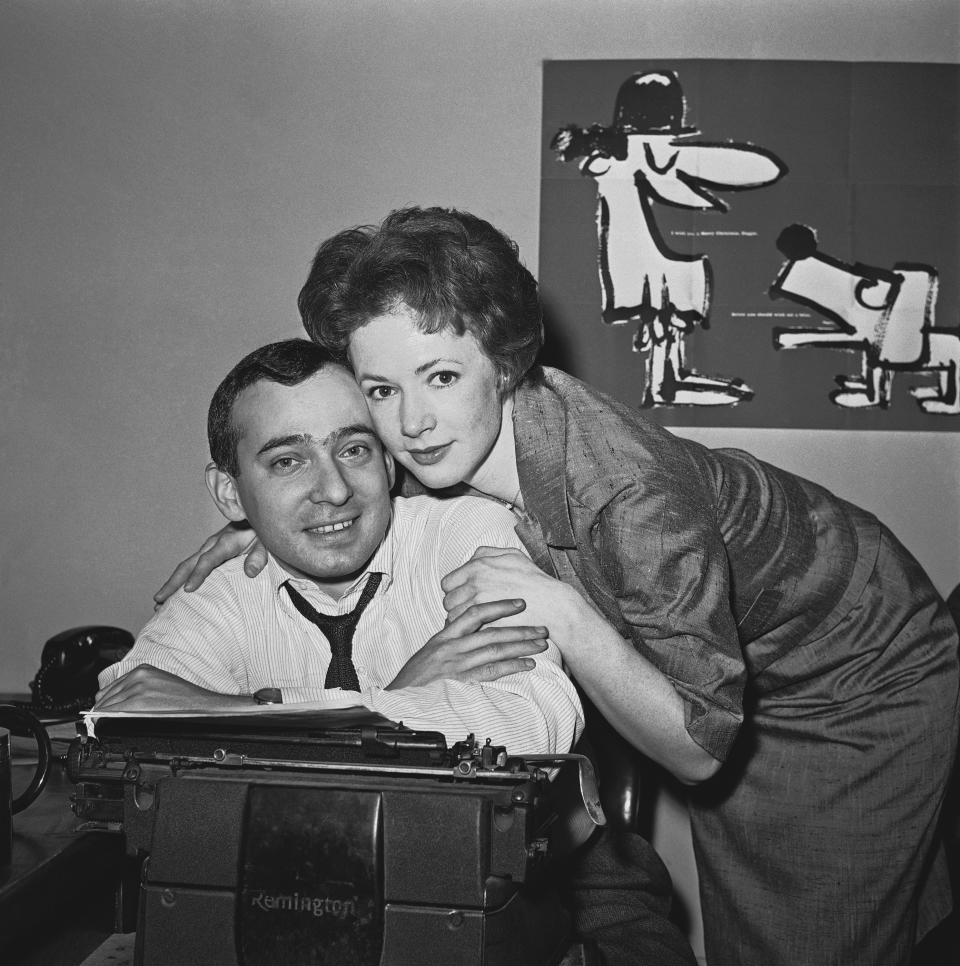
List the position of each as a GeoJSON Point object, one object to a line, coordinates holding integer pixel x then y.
{"type": "Point", "coordinates": [645, 157]}
{"type": "Point", "coordinates": [885, 314]}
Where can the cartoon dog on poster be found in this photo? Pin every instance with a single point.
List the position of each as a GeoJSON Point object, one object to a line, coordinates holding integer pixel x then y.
{"type": "Point", "coordinates": [647, 156]}
{"type": "Point", "coordinates": [885, 314]}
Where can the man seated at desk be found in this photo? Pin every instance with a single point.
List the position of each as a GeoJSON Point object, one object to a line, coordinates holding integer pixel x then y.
{"type": "Point", "coordinates": [294, 454]}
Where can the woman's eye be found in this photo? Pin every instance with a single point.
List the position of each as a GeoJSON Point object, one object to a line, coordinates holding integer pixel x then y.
{"type": "Point", "coordinates": [444, 378]}
{"type": "Point", "coordinates": [380, 392]}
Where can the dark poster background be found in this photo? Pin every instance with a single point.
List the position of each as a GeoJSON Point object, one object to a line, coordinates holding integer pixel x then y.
{"type": "Point", "coordinates": [873, 166]}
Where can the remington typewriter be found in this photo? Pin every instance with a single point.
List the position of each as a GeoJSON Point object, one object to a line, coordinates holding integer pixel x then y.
{"type": "Point", "coordinates": [334, 837]}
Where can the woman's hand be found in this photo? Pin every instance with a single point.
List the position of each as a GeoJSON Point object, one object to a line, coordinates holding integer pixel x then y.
{"type": "Point", "coordinates": [467, 650]}
{"type": "Point", "coordinates": [225, 544]}
{"type": "Point", "coordinates": [494, 573]}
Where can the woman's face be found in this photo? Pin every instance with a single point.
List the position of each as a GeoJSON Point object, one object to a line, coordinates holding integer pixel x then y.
{"type": "Point", "coordinates": [433, 397]}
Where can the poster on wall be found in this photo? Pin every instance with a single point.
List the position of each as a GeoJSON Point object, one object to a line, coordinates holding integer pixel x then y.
{"type": "Point", "coordinates": [756, 243]}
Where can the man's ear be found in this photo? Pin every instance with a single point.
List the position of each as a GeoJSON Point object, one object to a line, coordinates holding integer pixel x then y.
{"type": "Point", "coordinates": [224, 492]}
{"type": "Point", "coordinates": [390, 466]}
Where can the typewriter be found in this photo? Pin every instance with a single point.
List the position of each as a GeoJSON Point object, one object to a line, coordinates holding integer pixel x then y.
{"type": "Point", "coordinates": [335, 838]}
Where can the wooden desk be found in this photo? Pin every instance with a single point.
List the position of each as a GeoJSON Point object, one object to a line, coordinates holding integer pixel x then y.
{"type": "Point", "coordinates": [57, 900]}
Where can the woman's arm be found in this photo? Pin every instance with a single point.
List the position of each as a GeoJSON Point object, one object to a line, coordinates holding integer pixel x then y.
{"type": "Point", "coordinates": [222, 546]}
{"type": "Point", "coordinates": [632, 694]}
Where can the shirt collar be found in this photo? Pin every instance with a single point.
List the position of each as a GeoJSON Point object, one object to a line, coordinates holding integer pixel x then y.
{"type": "Point", "coordinates": [540, 433]}
{"type": "Point", "coordinates": [380, 562]}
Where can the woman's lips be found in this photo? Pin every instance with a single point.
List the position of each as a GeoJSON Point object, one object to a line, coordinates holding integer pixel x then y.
{"type": "Point", "coordinates": [429, 456]}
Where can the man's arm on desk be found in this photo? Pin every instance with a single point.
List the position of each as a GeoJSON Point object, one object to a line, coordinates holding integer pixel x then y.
{"type": "Point", "coordinates": [528, 712]}
{"type": "Point", "coordinates": [466, 650]}
{"type": "Point", "coordinates": [192, 655]}
{"type": "Point", "coordinates": [532, 711]}
{"type": "Point", "coordinates": [148, 689]}
{"type": "Point", "coordinates": [189, 656]}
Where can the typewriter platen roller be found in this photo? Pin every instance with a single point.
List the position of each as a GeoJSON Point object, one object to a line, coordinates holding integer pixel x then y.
{"type": "Point", "coordinates": [318, 840]}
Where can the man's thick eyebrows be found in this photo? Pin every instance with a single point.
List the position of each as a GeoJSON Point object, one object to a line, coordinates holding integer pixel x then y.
{"type": "Point", "coordinates": [275, 442]}
{"type": "Point", "coordinates": [354, 429]}
{"type": "Point", "coordinates": [304, 439]}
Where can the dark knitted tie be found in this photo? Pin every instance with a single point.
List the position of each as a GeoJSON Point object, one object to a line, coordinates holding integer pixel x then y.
{"type": "Point", "coordinates": [338, 630]}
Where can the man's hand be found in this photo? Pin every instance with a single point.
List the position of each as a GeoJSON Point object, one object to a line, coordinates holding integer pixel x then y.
{"type": "Point", "coordinates": [467, 650]}
{"type": "Point", "coordinates": [147, 688]}
{"type": "Point", "coordinates": [222, 546]}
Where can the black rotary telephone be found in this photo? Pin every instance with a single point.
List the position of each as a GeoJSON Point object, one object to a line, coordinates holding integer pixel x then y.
{"type": "Point", "coordinates": [65, 685]}
{"type": "Point", "coordinates": [71, 660]}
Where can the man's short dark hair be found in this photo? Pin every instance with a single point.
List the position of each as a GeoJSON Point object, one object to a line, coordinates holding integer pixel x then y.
{"type": "Point", "coordinates": [289, 362]}
{"type": "Point", "coordinates": [450, 268]}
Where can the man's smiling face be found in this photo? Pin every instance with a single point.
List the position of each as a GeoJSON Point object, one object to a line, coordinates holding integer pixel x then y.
{"type": "Point", "coordinates": [314, 481]}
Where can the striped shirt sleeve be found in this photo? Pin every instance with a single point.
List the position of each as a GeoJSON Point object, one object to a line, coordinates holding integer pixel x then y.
{"type": "Point", "coordinates": [536, 711]}
{"type": "Point", "coordinates": [196, 636]}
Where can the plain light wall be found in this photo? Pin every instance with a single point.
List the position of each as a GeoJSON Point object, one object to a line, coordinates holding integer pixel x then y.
{"type": "Point", "coordinates": [168, 168]}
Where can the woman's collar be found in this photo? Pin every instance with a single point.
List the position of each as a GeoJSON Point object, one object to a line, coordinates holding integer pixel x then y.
{"type": "Point", "coordinates": [539, 430]}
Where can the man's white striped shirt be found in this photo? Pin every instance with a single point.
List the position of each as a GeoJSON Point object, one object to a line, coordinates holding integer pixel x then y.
{"type": "Point", "coordinates": [235, 635]}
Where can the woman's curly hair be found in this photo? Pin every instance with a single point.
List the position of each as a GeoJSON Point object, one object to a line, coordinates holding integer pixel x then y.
{"type": "Point", "coordinates": [450, 268]}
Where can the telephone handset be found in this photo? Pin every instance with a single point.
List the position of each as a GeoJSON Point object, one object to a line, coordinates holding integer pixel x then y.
{"type": "Point", "coordinates": [66, 684]}
{"type": "Point", "coordinates": [71, 660]}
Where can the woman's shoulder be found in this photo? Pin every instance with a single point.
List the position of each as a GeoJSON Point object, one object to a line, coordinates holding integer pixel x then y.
{"type": "Point", "coordinates": [606, 441]}
{"type": "Point", "coordinates": [546, 380]}
{"type": "Point", "coordinates": [582, 402]}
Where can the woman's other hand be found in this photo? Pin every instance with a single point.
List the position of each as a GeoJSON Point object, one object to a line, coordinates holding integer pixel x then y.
{"type": "Point", "coordinates": [494, 573]}
{"type": "Point", "coordinates": [222, 546]}
{"type": "Point", "coordinates": [468, 650]}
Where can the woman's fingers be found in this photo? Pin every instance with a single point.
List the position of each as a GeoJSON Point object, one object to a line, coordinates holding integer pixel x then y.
{"type": "Point", "coordinates": [227, 545]}
{"type": "Point", "coordinates": [499, 669]}
{"type": "Point", "coordinates": [471, 617]}
{"type": "Point", "coordinates": [484, 551]}
{"type": "Point", "coordinates": [176, 580]}
{"type": "Point", "coordinates": [228, 542]}
{"type": "Point", "coordinates": [460, 604]}
{"type": "Point", "coordinates": [463, 573]}
{"type": "Point", "coordinates": [458, 601]}
{"type": "Point", "coordinates": [186, 567]}
{"type": "Point", "coordinates": [256, 559]}
{"type": "Point", "coordinates": [497, 649]}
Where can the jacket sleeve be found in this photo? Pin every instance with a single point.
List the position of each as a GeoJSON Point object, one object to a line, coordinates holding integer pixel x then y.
{"type": "Point", "coordinates": [664, 560]}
